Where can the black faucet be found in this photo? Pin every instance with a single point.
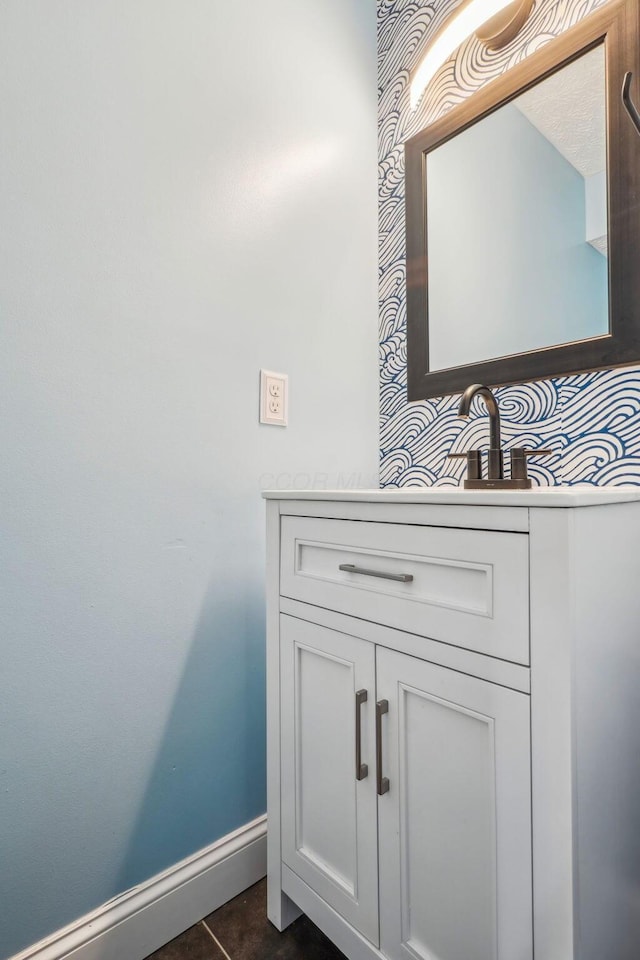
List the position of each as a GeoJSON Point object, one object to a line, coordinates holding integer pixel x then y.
{"type": "Point", "coordinates": [496, 466]}
{"type": "Point", "coordinates": [519, 479]}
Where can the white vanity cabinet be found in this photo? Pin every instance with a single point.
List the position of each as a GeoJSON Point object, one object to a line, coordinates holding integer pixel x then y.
{"type": "Point", "coordinates": [454, 722]}
{"type": "Point", "coordinates": [329, 819]}
{"type": "Point", "coordinates": [455, 825]}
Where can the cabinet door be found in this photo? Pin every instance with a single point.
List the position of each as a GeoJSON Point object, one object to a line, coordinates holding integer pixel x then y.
{"type": "Point", "coordinates": [329, 818]}
{"type": "Point", "coordinates": [455, 824]}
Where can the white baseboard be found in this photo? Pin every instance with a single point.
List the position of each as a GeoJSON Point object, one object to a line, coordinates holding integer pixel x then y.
{"type": "Point", "coordinates": [136, 923]}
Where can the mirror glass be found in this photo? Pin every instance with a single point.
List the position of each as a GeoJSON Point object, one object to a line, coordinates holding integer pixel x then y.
{"type": "Point", "coordinates": [517, 223]}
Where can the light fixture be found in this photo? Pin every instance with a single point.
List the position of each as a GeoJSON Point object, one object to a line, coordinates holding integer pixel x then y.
{"type": "Point", "coordinates": [495, 23]}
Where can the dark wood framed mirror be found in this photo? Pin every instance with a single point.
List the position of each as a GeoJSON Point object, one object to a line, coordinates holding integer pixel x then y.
{"type": "Point", "coordinates": [523, 219]}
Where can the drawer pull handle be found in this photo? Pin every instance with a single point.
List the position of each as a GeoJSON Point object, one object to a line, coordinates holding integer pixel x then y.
{"type": "Point", "coordinates": [382, 783]}
{"type": "Point", "coordinates": [400, 577]}
{"type": "Point", "coordinates": [361, 768]}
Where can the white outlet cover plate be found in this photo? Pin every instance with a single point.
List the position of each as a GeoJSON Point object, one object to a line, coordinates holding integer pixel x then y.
{"type": "Point", "coordinates": [274, 398]}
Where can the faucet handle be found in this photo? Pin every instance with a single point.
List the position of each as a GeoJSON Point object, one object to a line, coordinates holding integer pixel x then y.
{"type": "Point", "coordinates": [474, 463]}
{"type": "Point", "coordinates": [519, 456]}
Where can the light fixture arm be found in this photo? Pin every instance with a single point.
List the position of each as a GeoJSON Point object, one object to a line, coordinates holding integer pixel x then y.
{"type": "Point", "coordinates": [629, 105]}
{"type": "Point", "coordinates": [495, 22]}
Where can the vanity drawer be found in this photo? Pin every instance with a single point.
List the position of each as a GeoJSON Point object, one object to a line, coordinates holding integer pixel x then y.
{"type": "Point", "coordinates": [465, 587]}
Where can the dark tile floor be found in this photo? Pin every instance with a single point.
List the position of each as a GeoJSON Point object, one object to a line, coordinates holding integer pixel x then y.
{"type": "Point", "coordinates": [239, 930]}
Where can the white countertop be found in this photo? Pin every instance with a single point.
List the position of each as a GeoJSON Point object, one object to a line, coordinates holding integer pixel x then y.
{"type": "Point", "coordinates": [575, 496]}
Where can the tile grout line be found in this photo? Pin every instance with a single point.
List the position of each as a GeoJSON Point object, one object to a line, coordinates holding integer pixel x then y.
{"type": "Point", "coordinates": [215, 939]}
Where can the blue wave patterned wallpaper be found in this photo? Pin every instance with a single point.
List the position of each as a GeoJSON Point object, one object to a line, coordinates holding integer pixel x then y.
{"type": "Point", "coordinates": [593, 419]}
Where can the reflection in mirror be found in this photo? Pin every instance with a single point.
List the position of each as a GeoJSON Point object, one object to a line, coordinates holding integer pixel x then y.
{"type": "Point", "coordinates": [517, 223]}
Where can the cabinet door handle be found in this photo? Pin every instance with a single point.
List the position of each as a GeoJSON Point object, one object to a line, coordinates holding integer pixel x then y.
{"type": "Point", "coordinates": [364, 572]}
{"type": "Point", "coordinates": [382, 783]}
{"type": "Point", "coordinates": [361, 768]}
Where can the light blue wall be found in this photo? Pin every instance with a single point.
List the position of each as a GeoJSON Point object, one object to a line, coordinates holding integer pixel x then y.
{"type": "Point", "coordinates": [490, 294]}
{"type": "Point", "coordinates": [187, 193]}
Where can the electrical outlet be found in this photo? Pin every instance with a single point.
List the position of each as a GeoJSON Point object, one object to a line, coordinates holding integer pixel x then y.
{"type": "Point", "coordinates": [273, 398]}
